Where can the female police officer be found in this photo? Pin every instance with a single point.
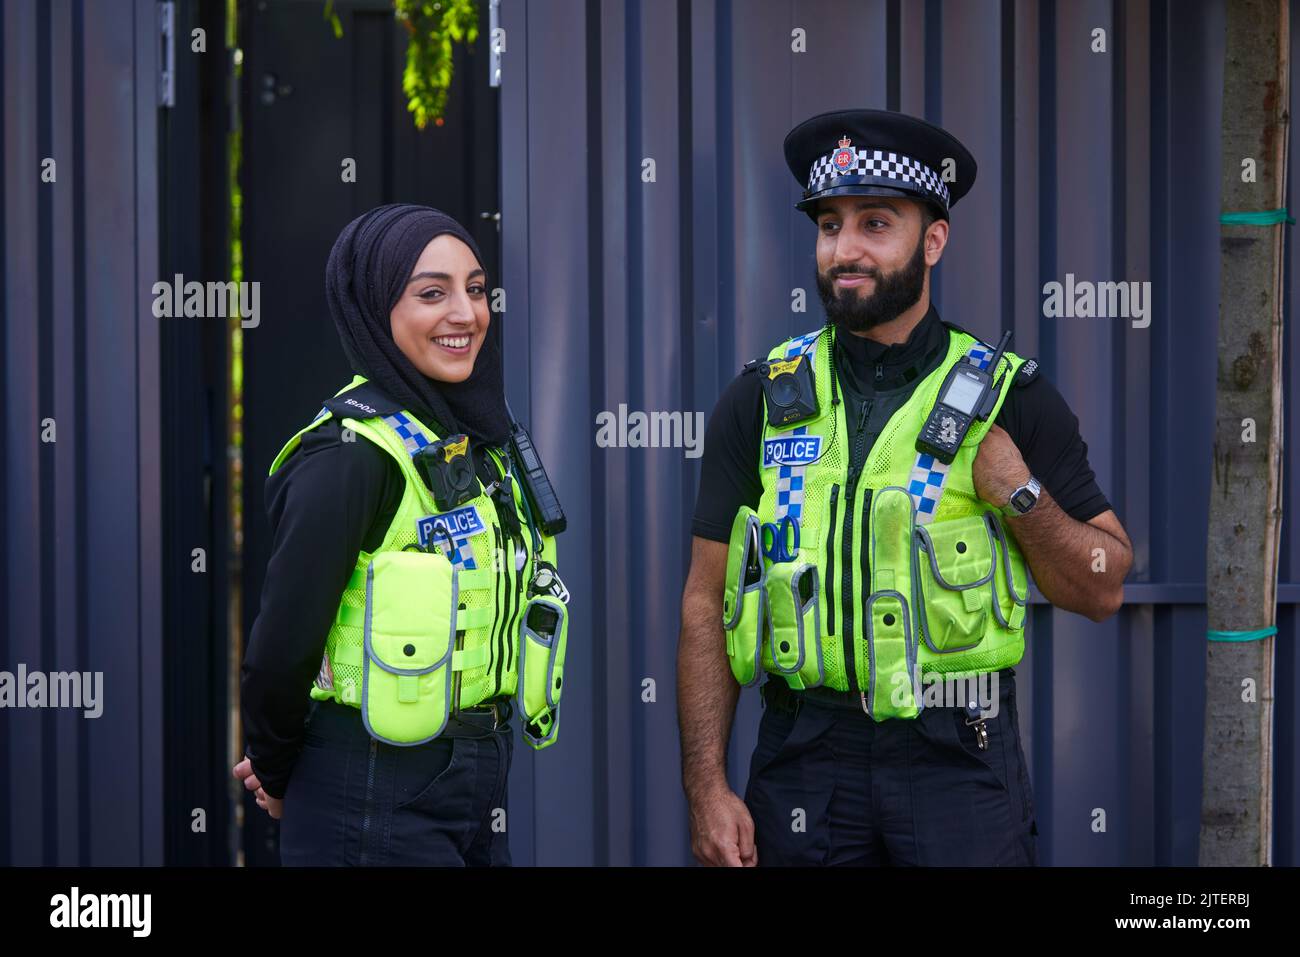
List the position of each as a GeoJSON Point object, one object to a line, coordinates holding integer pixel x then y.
{"type": "Point", "coordinates": [412, 575]}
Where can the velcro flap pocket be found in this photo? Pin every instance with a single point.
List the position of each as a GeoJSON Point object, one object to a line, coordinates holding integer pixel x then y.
{"type": "Point", "coordinates": [744, 561]}
{"type": "Point", "coordinates": [744, 600]}
{"type": "Point", "coordinates": [955, 566]}
{"type": "Point", "coordinates": [793, 644]}
{"type": "Point", "coordinates": [543, 639]}
{"type": "Point", "coordinates": [892, 525]}
{"type": "Point", "coordinates": [893, 657]}
{"type": "Point", "coordinates": [409, 631]}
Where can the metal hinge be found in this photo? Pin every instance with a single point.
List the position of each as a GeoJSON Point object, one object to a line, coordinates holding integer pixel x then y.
{"type": "Point", "coordinates": [167, 60]}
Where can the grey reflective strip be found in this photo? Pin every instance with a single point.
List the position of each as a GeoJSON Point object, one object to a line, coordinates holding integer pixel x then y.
{"type": "Point", "coordinates": [816, 603]}
{"type": "Point", "coordinates": [751, 524]}
{"type": "Point", "coordinates": [905, 610]}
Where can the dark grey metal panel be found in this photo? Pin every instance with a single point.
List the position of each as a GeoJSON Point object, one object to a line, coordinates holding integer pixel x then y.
{"type": "Point", "coordinates": [544, 326]}
{"type": "Point", "coordinates": [1103, 165]}
{"type": "Point", "coordinates": [27, 616]}
{"type": "Point", "coordinates": [82, 526]}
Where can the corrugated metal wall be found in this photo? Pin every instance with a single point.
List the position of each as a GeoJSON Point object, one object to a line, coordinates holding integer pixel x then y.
{"type": "Point", "coordinates": [652, 294]}
{"type": "Point", "coordinates": [1104, 165]}
{"type": "Point", "coordinates": [81, 519]}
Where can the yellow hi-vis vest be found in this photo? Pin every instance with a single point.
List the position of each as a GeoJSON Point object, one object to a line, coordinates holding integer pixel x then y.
{"type": "Point", "coordinates": [439, 617]}
{"type": "Point", "coordinates": [901, 569]}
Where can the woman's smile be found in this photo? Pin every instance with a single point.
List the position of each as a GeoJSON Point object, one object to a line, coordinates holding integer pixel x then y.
{"type": "Point", "coordinates": [455, 345]}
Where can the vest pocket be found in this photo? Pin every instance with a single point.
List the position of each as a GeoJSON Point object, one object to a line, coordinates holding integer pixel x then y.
{"type": "Point", "coordinates": [543, 638]}
{"type": "Point", "coordinates": [794, 638]}
{"type": "Point", "coordinates": [408, 640]}
{"type": "Point", "coordinates": [888, 616]}
{"type": "Point", "coordinates": [954, 574]}
{"type": "Point", "coordinates": [1010, 579]}
{"type": "Point", "coordinates": [744, 599]}
{"type": "Point", "coordinates": [889, 635]}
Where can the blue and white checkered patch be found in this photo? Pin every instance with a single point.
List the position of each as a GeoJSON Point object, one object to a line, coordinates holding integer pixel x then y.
{"type": "Point", "coordinates": [408, 430]}
{"type": "Point", "coordinates": [789, 479]}
{"type": "Point", "coordinates": [461, 555]}
{"type": "Point", "coordinates": [925, 484]}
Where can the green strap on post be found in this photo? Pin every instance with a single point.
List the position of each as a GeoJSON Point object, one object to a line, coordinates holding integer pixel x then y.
{"type": "Point", "coordinates": [1256, 635]}
{"type": "Point", "coordinates": [1268, 217]}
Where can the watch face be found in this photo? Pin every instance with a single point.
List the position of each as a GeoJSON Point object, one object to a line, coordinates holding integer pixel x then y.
{"type": "Point", "coordinates": [1023, 500]}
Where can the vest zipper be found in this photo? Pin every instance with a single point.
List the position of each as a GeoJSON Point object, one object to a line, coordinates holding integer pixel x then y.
{"type": "Point", "coordinates": [830, 562]}
{"type": "Point", "coordinates": [511, 607]}
{"type": "Point", "coordinates": [850, 661]}
{"type": "Point", "coordinates": [494, 639]}
{"type": "Point", "coordinates": [519, 591]}
{"type": "Point", "coordinates": [866, 576]}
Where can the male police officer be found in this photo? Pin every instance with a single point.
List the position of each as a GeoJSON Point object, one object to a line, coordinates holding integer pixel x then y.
{"type": "Point", "coordinates": [870, 495]}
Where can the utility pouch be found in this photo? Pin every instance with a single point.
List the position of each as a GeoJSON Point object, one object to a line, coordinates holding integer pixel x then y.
{"type": "Point", "coordinates": [744, 600]}
{"type": "Point", "coordinates": [889, 622]}
{"type": "Point", "coordinates": [1010, 579]}
{"type": "Point", "coordinates": [793, 646]}
{"type": "Point", "coordinates": [543, 637]}
{"type": "Point", "coordinates": [955, 565]}
{"type": "Point", "coordinates": [408, 638]}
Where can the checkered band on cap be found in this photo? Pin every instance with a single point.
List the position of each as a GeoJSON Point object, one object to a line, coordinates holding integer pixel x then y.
{"type": "Point", "coordinates": [413, 437]}
{"type": "Point", "coordinates": [925, 484]}
{"type": "Point", "coordinates": [880, 165]}
{"type": "Point", "coordinates": [789, 478]}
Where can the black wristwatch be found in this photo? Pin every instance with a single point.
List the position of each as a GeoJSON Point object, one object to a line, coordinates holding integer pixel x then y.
{"type": "Point", "coordinates": [1023, 499]}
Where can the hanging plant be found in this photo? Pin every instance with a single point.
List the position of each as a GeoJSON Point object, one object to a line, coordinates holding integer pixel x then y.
{"type": "Point", "coordinates": [433, 25]}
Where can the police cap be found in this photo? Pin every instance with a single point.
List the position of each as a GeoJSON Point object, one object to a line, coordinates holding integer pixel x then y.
{"type": "Point", "coordinates": [877, 153]}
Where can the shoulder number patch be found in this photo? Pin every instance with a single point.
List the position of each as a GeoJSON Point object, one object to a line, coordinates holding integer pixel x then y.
{"type": "Point", "coordinates": [1028, 372]}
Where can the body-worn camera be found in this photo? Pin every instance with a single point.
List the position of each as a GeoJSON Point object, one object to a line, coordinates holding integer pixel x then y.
{"type": "Point", "coordinates": [789, 388]}
{"type": "Point", "coordinates": [448, 470]}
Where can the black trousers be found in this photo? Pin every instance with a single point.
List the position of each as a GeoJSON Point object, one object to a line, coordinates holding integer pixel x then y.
{"type": "Point", "coordinates": [354, 801]}
{"type": "Point", "coordinates": [828, 785]}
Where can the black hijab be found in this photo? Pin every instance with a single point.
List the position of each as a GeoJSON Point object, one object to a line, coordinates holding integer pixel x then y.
{"type": "Point", "coordinates": [366, 275]}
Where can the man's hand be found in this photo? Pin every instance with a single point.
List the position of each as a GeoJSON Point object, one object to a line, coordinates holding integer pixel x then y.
{"type": "Point", "coordinates": [243, 771]}
{"type": "Point", "coordinates": [999, 469]}
{"type": "Point", "coordinates": [722, 832]}
{"type": "Point", "coordinates": [1078, 566]}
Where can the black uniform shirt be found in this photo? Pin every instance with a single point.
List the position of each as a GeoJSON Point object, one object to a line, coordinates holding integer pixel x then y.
{"type": "Point", "coordinates": [1034, 414]}
{"type": "Point", "coordinates": [330, 500]}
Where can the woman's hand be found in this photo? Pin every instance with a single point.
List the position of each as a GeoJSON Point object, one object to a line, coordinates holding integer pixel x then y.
{"type": "Point", "coordinates": [244, 772]}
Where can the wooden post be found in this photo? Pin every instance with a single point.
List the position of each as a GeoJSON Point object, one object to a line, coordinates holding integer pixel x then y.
{"type": "Point", "coordinates": [1246, 484]}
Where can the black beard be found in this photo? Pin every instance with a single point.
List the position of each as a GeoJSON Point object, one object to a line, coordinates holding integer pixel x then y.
{"type": "Point", "coordinates": [895, 294]}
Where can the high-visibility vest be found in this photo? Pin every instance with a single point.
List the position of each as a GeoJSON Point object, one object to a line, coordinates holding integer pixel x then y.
{"type": "Point", "coordinates": [901, 571]}
{"type": "Point", "coordinates": [440, 617]}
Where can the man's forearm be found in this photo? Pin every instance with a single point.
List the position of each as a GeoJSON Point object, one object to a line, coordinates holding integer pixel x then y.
{"type": "Point", "coordinates": [706, 695]}
{"type": "Point", "coordinates": [1068, 568]}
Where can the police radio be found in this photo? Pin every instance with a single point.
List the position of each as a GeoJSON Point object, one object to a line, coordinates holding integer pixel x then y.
{"type": "Point", "coordinates": [446, 468]}
{"type": "Point", "coordinates": [542, 501]}
{"type": "Point", "coordinates": [966, 395]}
{"type": "Point", "coordinates": [790, 389]}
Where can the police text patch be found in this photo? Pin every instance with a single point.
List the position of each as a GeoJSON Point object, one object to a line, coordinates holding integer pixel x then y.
{"type": "Point", "coordinates": [791, 450]}
{"type": "Point", "coordinates": [459, 523]}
